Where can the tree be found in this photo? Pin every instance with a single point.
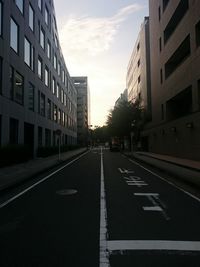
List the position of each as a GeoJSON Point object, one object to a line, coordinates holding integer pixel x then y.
{"type": "Point", "coordinates": [125, 118]}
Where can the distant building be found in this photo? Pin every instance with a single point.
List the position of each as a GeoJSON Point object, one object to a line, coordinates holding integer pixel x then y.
{"type": "Point", "coordinates": [83, 112]}
{"type": "Point", "coordinates": [123, 97]}
{"type": "Point", "coordinates": [138, 71]}
{"type": "Point", "coordinates": [37, 96]}
{"type": "Point", "coordinates": [175, 77]}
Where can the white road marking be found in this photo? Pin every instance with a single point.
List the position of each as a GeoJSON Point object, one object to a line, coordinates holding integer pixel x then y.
{"type": "Point", "coordinates": [154, 208]}
{"type": "Point", "coordinates": [147, 194]}
{"type": "Point", "coordinates": [135, 181]}
{"type": "Point", "coordinates": [39, 182]}
{"type": "Point", "coordinates": [125, 171]}
{"type": "Point", "coordinates": [154, 245]}
{"type": "Point", "coordinates": [164, 179]}
{"type": "Point", "coordinates": [103, 255]}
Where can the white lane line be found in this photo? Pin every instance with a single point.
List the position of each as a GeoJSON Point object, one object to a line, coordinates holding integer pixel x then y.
{"type": "Point", "coordinates": [39, 182]}
{"type": "Point", "coordinates": [154, 208]}
{"type": "Point", "coordinates": [147, 194]}
{"type": "Point", "coordinates": [164, 179]}
{"type": "Point", "coordinates": [103, 255]}
{"type": "Point", "coordinates": [153, 245]}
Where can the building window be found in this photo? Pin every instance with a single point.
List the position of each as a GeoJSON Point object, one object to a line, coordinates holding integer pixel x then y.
{"type": "Point", "coordinates": [197, 29]}
{"type": "Point", "coordinates": [1, 17]}
{"type": "Point", "coordinates": [162, 112]}
{"type": "Point", "coordinates": [14, 126]}
{"type": "Point", "coordinates": [58, 68]}
{"type": "Point", "coordinates": [31, 92]}
{"type": "Point", "coordinates": [59, 116]}
{"type": "Point", "coordinates": [47, 137]}
{"type": "Point", "coordinates": [198, 93]}
{"type": "Point", "coordinates": [28, 53]}
{"type": "Point", "coordinates": [165, 3]}
{"type": "Point", "coordinates": [55, 62]}
{"type": "Point", "coordinates": [63, 76]}
{"type": "Point", "coordinates": [40, 136]}
{"type": "Point", "coordinates": [48, 50]}
{"type": "Point", "coordinates": [177, 16]}
{"type": "Point", "coordinates": [54, 86]}
{"type": "Point", "coordinates": [138, 63]}
{"type": "Point", "coordinates": [138, 47]}
{"type": "Point", "coordinates": [31, 18]}
{"type": "Point", "coordinates": [42, 104]}
{"type": "Point", "coordinates": [46, 16]}
{"type": "Point", "coordinates": [179, 56]}
{"type": "Point", "coordinates": [161, 76]}
{"type": "Point", "coordinates": [139, 79]}
{"type": "Point", "coordinates": [62, 96]}
{"type": "Point", "coordinates": [42, 38]}
{"type": "Point", "coordinates": [20, 5]}
{"type": "Point", "coordinates": [16, 86]}
{"type": "Point", "coordinates": [14, 35]}
{"type": "Point", "coordinates": [40, 68]}
{"type": "Point", "coordinates": [1, 74]}
{"type": "Point", "coordinates": [57, 90]}
{"type": "Point", "coordinates": [46, 76]}
{"type": "Point", "coordinates": [160, 44]}
{"type": "Point", "coordinates": [159, 13]}
{"type": "Point", "coordinates": [55, 113]}
{"type": "Point", "coordinates": [40, 5]}
{"type": "Point", "coordinates": [49, 109]}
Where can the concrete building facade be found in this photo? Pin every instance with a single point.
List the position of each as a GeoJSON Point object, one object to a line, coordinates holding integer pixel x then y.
{"type": "Point", "coordinates": [37, 96]}
{"type": "Point", "coordinates": [175, 78]}
{"type": "Point", "coordinates": [123, 97]}
{"type": "Point", "coordinates": [83, 111]}
{"type": "Point", "coordinates": [138, 71]}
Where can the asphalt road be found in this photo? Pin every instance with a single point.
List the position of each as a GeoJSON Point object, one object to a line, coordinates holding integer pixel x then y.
{"type": "Point", "coordinates": [100, 210]}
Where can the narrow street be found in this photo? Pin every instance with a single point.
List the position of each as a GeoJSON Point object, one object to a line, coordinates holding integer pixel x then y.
{"type": "Point", "coordinates": [100, 210]}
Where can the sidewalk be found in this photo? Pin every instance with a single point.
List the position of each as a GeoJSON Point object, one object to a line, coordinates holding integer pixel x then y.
{"type": "Point", "coordinates": [15, 174]}
{"type": "Point", "coordinates": [185, 169]}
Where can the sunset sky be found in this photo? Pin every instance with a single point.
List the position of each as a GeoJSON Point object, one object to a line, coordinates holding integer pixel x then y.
{"type": "Point", "coordinates": [97, 38]}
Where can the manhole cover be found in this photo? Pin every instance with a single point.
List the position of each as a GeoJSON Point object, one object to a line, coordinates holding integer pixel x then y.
{"type": "Point", "coordinates": [67, 192]}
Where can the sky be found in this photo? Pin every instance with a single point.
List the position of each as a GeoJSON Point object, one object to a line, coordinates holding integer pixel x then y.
{"type": "Point", "coordinates": [97, 38]}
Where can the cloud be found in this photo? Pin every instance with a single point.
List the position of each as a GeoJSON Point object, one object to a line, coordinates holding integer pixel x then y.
{"type": "Point", "coordinates": [92, 35]}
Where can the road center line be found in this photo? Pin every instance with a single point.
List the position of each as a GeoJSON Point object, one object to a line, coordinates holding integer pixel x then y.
{"type": "Point", "coordinates": [39, 182]}
{"type": "Point", "coordinates": [153, 245]}
{"type": "Point", "coordinates": [104, 256]}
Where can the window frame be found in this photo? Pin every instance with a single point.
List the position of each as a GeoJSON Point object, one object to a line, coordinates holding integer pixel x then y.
{"type": "Point", "coordinates": [11, 35]}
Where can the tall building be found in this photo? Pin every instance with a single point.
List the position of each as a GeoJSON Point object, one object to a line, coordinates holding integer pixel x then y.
{"type": "Point", "coordinates": [123, 97]}
{"type": "Point", "coordinates": [138, 71]}
{"type": "Point", "coordinates": [175, 77]}
{"type": "Point", "coordinates": [83, 111]}
{"type": "Point", "coordinates": [37, 96]}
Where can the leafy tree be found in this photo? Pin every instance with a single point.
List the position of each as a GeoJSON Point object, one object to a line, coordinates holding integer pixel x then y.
{"type": "Point", "coordinates": [125, 118]}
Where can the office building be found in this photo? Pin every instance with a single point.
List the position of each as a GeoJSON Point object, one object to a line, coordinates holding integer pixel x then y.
{"type": "Point", "coordinates": [175, 78]}
{"type": "Point", "coordinates": [37, 96]}
{"type": "Point", "coordinates": [138, 71]}
{"type": "Point", "coordinates": [123, 98]}
{"type": "Point", "coordinates": [83, 110]}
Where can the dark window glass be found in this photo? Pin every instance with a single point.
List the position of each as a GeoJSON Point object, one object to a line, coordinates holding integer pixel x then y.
{"type": "Point", "coordinates": [49, 109]}
{"type": "Point", "coordinates": [31, 92]}
{"type": "Point", "coordinates": [40, 4]}
{"type": "Point", "coordinates": [31, 17]}
{"type": "Point", "coordinates": [42, 38]}
{"type": "Point", "coordinates": [161, 76]}
{"type": "Point", "coordinates": [39, 136]}
{"type": "Point", "coordinates": [42, 104]}
{"type": "Point", "coordinates": [14, 125]}
{"type": "Point", "coordinates": [27, 52]}
{"type": "Point", "coordinates": [1, 70]}
{"type": "Point", "coordinates": [46, 15]}
{"type": "Point", "coordinates": [1, 17]}
{"type": "Point", "coordinates": [14, 35]}
{"type": "Point", "coordinates": [177, 16]}
{"type": "Point", "coordinates": [48, 50]}
{"type": "Point", "coordinates": [165, 3]}
{"type": "Point", "coordinates": [197, 29]}
{"type": "Point", "coordinates": [46, 76]}
{"type": "Point", "coordinates": [40, 68]}
{"type": "Point", "coordinates": [19, 88]}
{"type": "Point", "coordinates": [20, 5]}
